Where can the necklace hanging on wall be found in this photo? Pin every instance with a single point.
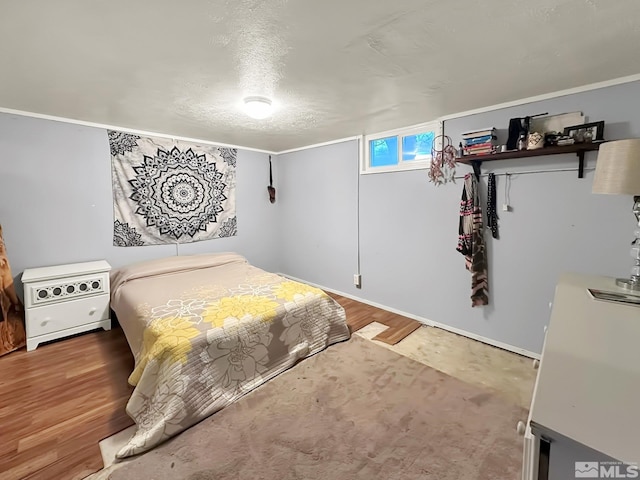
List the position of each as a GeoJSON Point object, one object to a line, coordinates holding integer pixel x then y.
{"type": "Point", "coordinates": [270, 188]}
{"type": "Point", "coordinates": [443, 161]}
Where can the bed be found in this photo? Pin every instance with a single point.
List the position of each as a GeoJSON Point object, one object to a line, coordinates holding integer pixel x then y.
{"type": "Point", "coordinates": [205, 330]}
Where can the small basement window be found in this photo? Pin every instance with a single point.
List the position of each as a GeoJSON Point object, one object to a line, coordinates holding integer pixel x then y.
{"type": "Point", "coordinates": [402, 149]}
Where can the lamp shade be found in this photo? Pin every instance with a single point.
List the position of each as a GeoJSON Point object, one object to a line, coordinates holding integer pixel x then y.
{"type": "Point", "coordinates": [618, 168]}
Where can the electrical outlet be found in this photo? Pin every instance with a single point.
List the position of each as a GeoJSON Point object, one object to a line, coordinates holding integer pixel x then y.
{"type": "Point", "coordinates": [357, 280]}
{"type": "Point", "coordinates": [505, 207]}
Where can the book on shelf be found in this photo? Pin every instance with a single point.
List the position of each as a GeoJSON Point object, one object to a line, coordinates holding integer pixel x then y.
{"type": "Point", "coordinates": [482, 146]}
{"type": "Point", "coordinates": [488, 147]}
{"type": "Point", "coordinates": [479, 145]}
{"type": "Point", "coordinates": [476, 154]}
{"type": "Point", "coordinates": [478, 150]}
{"type": "Point", "coordinates": [476, 140]}
{"type": "Point", "coordinates": [479, 133]}
{"type": "Point", "coordinates": [486, 142]}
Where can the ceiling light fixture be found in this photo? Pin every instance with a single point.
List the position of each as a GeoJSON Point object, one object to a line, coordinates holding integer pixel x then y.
{"type": "Point", "coordinates": [258, 107]}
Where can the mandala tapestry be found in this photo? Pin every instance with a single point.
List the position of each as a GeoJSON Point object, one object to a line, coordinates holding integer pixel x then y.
{"type": "Point", "coordinates": [170, 191]}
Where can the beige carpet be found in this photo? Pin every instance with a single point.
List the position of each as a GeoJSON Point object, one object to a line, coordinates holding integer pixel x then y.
{"type": "Point", "coordinates": [507, 374]}
{"type": "Point", "coordinates": [354, 411]}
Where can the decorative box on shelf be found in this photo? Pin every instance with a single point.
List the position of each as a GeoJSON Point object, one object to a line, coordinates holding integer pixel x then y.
{"type": "Point", "coordinates": [64, 300]}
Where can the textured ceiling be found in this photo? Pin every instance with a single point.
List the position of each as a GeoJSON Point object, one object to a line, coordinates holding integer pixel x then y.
{"type": "Point", "coordinates": [334, 68]}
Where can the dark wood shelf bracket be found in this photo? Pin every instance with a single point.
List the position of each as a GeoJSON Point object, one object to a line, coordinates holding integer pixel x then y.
{"type": "Point", "coordinates": [580, 154]}
{"type": "Point", "coordinates": [476, 164]}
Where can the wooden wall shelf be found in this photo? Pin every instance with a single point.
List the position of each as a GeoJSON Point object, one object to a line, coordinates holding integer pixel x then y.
{"type": "Point", "coordinates": [579, 149]}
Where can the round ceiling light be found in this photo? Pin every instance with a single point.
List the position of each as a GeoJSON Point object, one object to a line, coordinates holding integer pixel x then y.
{"type": "Point", "coordinates": [258, 107]}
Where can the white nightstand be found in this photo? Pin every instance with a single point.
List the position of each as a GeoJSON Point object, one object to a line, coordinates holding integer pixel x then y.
{"type": "Point", "coordinates": [65, 300]}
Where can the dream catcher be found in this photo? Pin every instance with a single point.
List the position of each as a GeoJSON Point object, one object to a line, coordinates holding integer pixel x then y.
{"type": "Point", "coordinates": [443, 161]}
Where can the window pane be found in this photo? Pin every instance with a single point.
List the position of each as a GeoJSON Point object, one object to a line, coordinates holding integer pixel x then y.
{"type": "Point", "coordinates": [417, 147]}
{"type": "Point", "coordinates": [383, 152]}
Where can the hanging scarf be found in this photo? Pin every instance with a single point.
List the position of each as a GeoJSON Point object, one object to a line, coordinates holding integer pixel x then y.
{"type": "Point", "coordinates": [471, 241]}
{"type": "Point", "coordinates": [492, 213]}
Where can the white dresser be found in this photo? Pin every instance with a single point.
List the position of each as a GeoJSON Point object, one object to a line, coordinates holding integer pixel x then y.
{"type": "Point", "coordinates": [584, 420]}
{"type": "Point", "coordinates": [65, 299]}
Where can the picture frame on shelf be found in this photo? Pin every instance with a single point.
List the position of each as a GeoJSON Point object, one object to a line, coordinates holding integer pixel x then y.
{"type": "Point", "coordinates": [581, 133]}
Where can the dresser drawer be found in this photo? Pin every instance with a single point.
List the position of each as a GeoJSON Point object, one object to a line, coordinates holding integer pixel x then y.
{"type": "Point", "coordinates": [72, 313]}
{"type": "Point", "coordinates": [65, 289]}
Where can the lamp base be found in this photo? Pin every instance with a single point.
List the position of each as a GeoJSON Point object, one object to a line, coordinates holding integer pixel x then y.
{"type": "Point", "coordinates": [633, 282]}
{"type": "Point", "coordinates": [628, 284]}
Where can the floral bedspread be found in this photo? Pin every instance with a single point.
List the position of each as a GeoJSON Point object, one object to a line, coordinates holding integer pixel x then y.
{"type": "Point", "coordinates": [205, 330]}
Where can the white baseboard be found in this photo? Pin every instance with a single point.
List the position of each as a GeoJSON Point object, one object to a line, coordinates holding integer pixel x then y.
{"type": "Point", "coordinates": [426, 321]}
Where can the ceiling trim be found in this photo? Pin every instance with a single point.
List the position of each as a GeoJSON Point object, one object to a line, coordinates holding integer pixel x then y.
{"type": "Point", "coordinates": [545, 96]}
{"type": "Point", "coordinates": [11, 111]}
{"type": "Point", "coordinates": [323, 144]}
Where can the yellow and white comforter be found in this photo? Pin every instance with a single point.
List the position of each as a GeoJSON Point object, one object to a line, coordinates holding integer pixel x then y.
{"type": "Point", "coordinates": [205, 330]}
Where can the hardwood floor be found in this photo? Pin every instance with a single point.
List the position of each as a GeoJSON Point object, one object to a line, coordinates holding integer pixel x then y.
{"type": "Point", "coordinates": [58, 401]}
{"type": "Point", "coordinates": [360, 315]}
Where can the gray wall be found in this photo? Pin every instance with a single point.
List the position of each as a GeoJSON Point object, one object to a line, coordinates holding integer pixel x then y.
{"type": "Point", "coordinates": [408, 227]}
{"type": "Point", "coordinates": [56, 204]}
{"type": "Point", "coordinates": [317, 207]}
{"type": "Point", "coordinates": [55, 207]}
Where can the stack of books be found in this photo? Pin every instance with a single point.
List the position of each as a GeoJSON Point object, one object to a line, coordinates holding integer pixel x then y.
{"type": "Point", "coordinates": [479, 142]}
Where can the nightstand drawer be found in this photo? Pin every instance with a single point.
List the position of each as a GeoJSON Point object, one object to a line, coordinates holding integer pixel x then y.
{"type": "Point", "coordinates": [60, 316]}
{"type": "Point", "coordinates": [65, 289]}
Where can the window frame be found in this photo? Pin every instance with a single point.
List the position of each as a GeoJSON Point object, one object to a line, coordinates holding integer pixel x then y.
{"type": "Point", "coordinates": [399, 133]}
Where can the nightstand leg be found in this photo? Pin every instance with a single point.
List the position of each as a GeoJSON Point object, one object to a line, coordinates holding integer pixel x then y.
{"type": "Point", "coordinates": [32, 344]}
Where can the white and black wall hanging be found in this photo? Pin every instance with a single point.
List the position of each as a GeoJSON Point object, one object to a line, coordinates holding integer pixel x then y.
{"type": "Point", "coordinates": [168, 191]}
